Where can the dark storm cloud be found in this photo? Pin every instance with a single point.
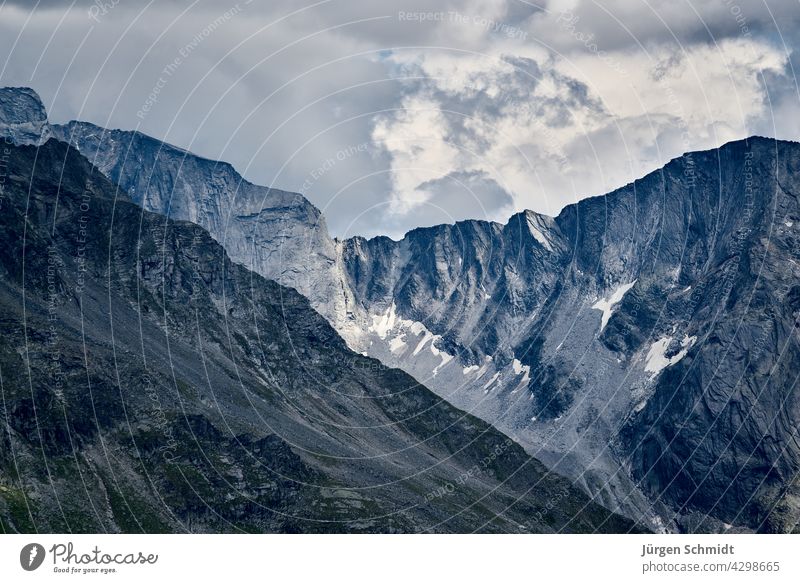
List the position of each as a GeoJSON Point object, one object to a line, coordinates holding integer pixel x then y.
{"type": "Point", "coordinates": [466, 195]}
{"type": "Point", "coordinates": [456, 197]}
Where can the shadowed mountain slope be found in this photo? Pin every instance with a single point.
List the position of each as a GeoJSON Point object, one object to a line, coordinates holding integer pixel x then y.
{"type": "Point", "coordinates": [151, 384]}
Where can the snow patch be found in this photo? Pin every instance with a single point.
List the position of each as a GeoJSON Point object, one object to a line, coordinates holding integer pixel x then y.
{"type": "Point", "coordinates": [521, 369]}
{"type": "Point", "coordinates": [397, 344]}
{"type": "Point", "coordinates": [388, 325]}
{"type": "Point", "coordinates": [416, 327]}
{"type": "Point", "coordinates": [491, 382]}
{"type": "Point", "coordinates": [425, 338]}
{"type": "Point", "coordinates": [471, 368]}
{"type": "Point", "coordinates": [382, 323]}
{"type": "Point", "coordinates": [445, 359]}
{"type": "Point", "coordinates": [606, 306]}
{"type": "Point", "coordinates": [656, 358]}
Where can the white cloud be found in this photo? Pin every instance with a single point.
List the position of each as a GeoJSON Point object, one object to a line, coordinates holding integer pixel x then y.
{"type": "Point", "coordinates": [572, 127]}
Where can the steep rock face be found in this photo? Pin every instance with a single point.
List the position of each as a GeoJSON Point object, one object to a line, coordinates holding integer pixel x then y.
{"type": "Point", "coordinates": [498, 319]}
{"type": "Point", "coordinates": [278, 234]}
{"type": "Point", "coordinates": [150, 384]}
{"type": "Point", "coordinates": [641, 343]}
{"type": "Point", "coordinates": [23, 118]}
{"type": "Point", "coordinates": [651, 334]}
{"type": "Point", "coordinates": [717, 433]}
{"type": "Point", "coordinates": [455, 278]}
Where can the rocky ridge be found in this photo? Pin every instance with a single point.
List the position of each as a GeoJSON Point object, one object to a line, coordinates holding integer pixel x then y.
{"type": "Point", "coordinates": [150, 384]}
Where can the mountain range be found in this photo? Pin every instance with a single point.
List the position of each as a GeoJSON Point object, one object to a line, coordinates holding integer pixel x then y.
{"type": "Point", "coordinates": [151, 384]}
{"type": "Point", "coordinates": [642, 344]}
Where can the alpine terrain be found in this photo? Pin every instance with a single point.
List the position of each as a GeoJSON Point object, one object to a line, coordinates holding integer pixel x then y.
{"type": "Point", "coordinates": [643, 344]}
{"type": "Point", "coordinates": [151, 384]}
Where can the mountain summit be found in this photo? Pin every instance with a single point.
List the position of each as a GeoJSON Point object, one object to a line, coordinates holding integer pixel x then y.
{"type": "Point", "coordinates": [23, 117]}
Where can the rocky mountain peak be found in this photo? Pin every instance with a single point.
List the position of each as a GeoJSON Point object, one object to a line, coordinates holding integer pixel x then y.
{"type": "Point", "coordinates": [23, 117]}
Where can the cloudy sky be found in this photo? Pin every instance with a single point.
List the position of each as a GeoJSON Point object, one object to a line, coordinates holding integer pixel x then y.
{"type": "Point", "coordinates": [394, 114]}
